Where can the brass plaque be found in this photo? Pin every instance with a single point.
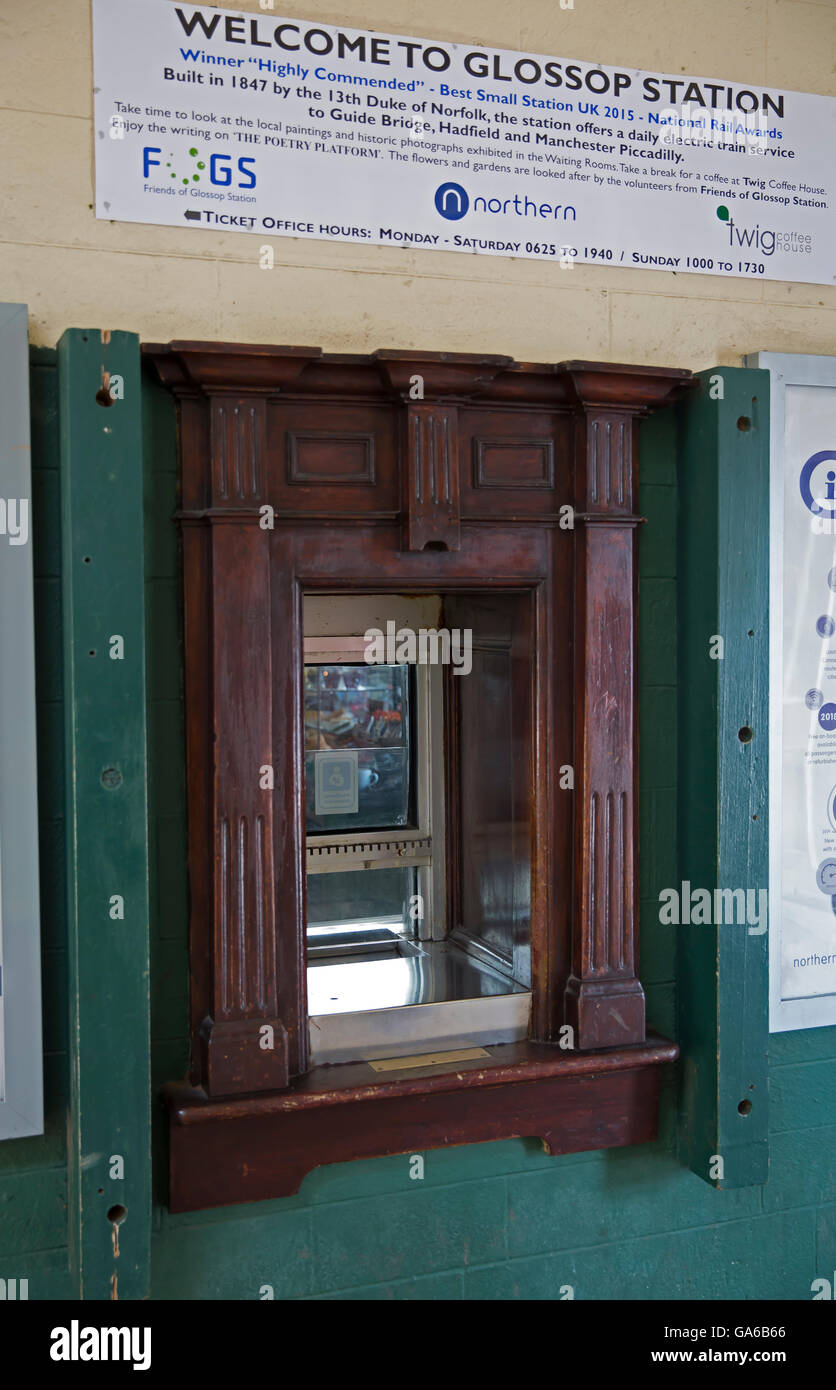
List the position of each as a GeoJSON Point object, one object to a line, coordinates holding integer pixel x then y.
{"type": "Point", "coordinates": [429, 1059]}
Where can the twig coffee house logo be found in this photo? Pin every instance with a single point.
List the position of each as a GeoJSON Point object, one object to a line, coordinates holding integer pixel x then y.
{"type": "Point", "coordinates": [763, 240]}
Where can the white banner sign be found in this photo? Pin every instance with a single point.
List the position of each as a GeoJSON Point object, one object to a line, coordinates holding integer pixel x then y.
{"type": "Point", "coordinates": [285, 127]}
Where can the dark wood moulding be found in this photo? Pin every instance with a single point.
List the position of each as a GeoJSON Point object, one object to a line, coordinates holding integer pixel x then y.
{"type": "Point", "coordinates": [257, 1147]}
{"type": "Point", "coordinates": [404, 472]}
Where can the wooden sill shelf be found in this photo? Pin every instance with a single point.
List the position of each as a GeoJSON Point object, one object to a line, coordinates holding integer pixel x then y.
{"type": "Point", "coordinates": [262, 1146]}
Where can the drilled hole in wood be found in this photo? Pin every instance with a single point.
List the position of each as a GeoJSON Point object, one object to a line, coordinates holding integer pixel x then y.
{"type": "Point", "coordinates": [104, 397]}
{"type": "Point", "coordinates": [87, 560]}
{"type": "Point", "coordinates": [92, 651]}
{"type": "Point", "coordinates": [751, 632]}
{"type": "Point", "coordinates": [116, 1215]}
{"type": "Point", "coordinates": [745, 734]}
{"type": "Point", "coordinates": [744, 422]}
{"type": "Point", "coordinates": [745, 1107]}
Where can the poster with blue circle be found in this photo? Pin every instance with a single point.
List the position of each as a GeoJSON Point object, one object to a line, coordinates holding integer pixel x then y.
{"type": "Point", "coordinates": [802, 803]}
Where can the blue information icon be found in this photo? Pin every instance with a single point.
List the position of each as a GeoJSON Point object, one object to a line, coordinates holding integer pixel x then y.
{"type": "Point", "coordinates": [825, 626]}
{"type": "Point", "coordinates": [826, 876]}
{"type": "Point", "coordinates": [816, 490]}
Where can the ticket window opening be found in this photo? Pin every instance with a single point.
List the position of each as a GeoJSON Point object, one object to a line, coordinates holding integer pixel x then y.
{"type": "Point", "coordinates": [412, 945]}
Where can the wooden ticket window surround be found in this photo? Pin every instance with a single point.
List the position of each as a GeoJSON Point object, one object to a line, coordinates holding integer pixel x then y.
{"type": "Point", "coordinates": [404, 472]}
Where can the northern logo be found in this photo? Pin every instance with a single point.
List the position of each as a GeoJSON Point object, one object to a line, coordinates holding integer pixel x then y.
{"type": "Point", "coordinates": [453, 202]}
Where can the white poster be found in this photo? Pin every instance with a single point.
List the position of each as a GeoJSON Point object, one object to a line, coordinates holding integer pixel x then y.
{"type": "Point", "coordinates": [336, 782]}
{"type": "Point", "coordinates": [283, 127]}
{"type": "Point", "coordinates": [802, 748]}
{"type": "Point", "coordinates": [21, 1048]}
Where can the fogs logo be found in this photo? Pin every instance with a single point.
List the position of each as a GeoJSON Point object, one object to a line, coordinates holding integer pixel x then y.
{"type": "Point", "coordinates": [220, 170]}
{"type": "Point", "coordinates": [452, 202]}
{"type": "Point", "coordinates": [75, 1343]}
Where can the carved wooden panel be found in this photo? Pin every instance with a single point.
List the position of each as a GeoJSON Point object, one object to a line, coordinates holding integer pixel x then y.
{"type": "Point", "coordinates": [604, 998]}
{"type": "Point", "coordinates": [609, 461]}
{"type": "Point", "coordinates": [317, 463]}
{"type": "Point", "coordinates": [513, 463]}
{"type": "Point", "coordinates": [242, 905]}
{"type": "Point", "coordinates": [243, 864]}
{"type": "Point", "coordinates": [431, 480]}
{"type": "Point", "coordinates": [237, 448]}
{"type": "Point", "coordinates": [324, 456]}
{"type": "Point", "coordinates": [407, 472]}
{"type": "Point", "coordinates": [517, 461]}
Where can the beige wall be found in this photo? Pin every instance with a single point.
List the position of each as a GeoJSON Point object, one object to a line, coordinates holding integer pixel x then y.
{"type": "Point", "coordinates": [160, 282]}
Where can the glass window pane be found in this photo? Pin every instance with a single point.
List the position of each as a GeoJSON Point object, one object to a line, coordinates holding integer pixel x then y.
{"type": "Point", "coordinates": [364, 897]}
{"type": "Point", "coordinates": [367, 710]}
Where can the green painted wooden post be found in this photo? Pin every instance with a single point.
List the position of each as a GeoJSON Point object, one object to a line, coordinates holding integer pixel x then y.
{"type": "Point", "coordinates": [722, 969]}
{"type": "Point", "coordinates": [103, 574]}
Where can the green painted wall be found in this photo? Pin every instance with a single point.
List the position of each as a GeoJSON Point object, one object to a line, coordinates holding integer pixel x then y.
{"type": "Point", "coordinates": [488, 1221]}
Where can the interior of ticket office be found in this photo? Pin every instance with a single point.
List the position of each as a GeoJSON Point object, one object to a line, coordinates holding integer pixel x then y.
{"type": "Point", "coordinates": [373, 592]}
